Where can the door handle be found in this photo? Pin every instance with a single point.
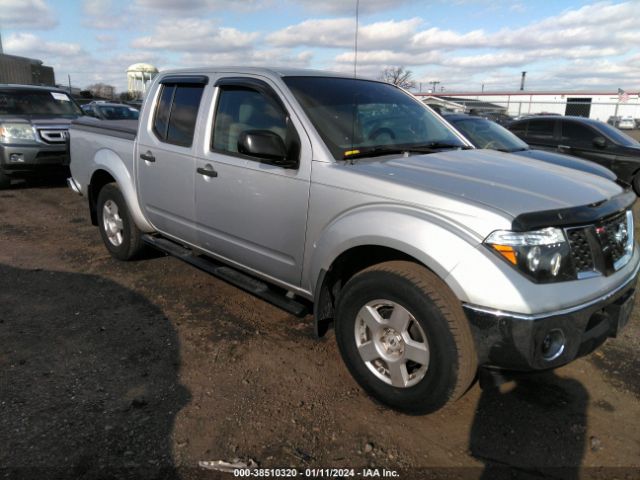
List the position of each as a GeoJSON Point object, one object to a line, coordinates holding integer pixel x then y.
{"type": "Point", "coordinates": [207, 171]}
{"type": "Point", "coordinates": [148, 157]}
{"type": "Point", "coordinates": [564, 147]}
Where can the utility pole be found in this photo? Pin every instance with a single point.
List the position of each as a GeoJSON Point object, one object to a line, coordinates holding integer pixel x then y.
{"type": "Point", "coordinates": [69, 77]}
{"type": "Point", "coordinates": [524, 74]}
{"type": "Point", "coordinates": [433, 85]}
{"type": "Point", "coordinates": [483, 88]}
{"type": "Point", "coordinates": [355, 47]}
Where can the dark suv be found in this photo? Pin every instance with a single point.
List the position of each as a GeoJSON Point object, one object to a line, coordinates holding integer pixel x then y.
{"type": "Point", "coordinates": [34, 123]}
{"type": "Point", "coordinates": [589, 139]}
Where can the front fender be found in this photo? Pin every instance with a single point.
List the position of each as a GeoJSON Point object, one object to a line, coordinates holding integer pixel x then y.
{"type": "Point", "coordinates": [435, 241]}
{"type": "Point", "coordinates": [110, 162]}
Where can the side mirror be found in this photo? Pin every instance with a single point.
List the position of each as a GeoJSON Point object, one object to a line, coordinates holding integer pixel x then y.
{"type": "Point", "coordinates": [266, 145]}
{"type": "Point", "coordinates": [599, 142]}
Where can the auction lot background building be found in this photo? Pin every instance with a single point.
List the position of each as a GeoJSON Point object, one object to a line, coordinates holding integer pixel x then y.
{"type": "Point", "coordinates": [591, 104]}
{"type": "Point", "coordinates": [26, 71]}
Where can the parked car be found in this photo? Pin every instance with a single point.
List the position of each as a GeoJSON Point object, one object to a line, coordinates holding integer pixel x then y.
{"type": "Point", "coordinates": [613, 120]}
{"type": "Point", "coordinates": [33, 130]}
{"type": "Point", "coordinates": [429, 257]}
{"type": "Point", "coordinates": [589, 139]}
{"type": "Point", "coordinates": [626, 123]}
{"type": "Point", "coordinates": [110, 111]}
{"type": "Point", "coordinates": [483, 133]}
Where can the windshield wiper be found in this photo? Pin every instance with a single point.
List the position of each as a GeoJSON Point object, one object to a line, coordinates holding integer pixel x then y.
{"type": "Point", "coordinates": [430, 147]}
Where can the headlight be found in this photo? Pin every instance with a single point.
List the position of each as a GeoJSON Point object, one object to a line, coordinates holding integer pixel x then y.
{"type": "Point", "coordinates": [543, 255]}
{"type": "Point", "coordinates": [16, 133]}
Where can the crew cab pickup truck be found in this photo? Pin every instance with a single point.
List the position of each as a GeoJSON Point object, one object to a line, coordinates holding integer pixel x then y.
{"type": "Point", "coordinates": [431, 259]}
{"type": "Point", "coordinates": [33, 130]}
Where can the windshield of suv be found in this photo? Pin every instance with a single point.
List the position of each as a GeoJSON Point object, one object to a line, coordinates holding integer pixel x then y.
{"type": "Point", "coordinates": [486, 134]}
{"type": "Point", "coordinates": [117, 112]}
{"type": "Point", "coordinates": [359, 116]}
{"type": "Point", "coordinates": [37, 102]}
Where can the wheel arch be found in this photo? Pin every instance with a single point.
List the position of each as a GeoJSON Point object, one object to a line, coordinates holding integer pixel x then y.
{"type": "Point", "coordinates": [110, 168]}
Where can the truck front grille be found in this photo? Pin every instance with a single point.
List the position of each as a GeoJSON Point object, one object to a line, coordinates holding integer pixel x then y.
{"type": "Point", "coordinates": [580, 250]}
{"type": "Point", "coordinates": [600, 248]}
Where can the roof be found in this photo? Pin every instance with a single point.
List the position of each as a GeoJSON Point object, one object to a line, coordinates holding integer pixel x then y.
{"type": "Point", "coordinates": [527, 93]}
{"type": "Point", "coordinates": [142, 67]}
{"type": "Point", "coordinates": [274, 71]}
{"type": "Point", "coordinates": [34, 61]}
{"type": "Point", "coordinates": [589, 121]}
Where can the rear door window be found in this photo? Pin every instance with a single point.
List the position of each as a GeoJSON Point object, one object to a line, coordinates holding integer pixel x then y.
{"type": "Point", "coordinates": [541, 129]}
{"type": "Point", "coordinates": [177, 112]}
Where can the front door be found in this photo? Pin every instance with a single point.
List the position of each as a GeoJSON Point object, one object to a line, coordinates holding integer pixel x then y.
{"type": "Point", "coordinates": [249, 210]}
{"type": "Point", "coordinates": [165, 158]}
{"type": "Point", "coordinates": [578, 140]}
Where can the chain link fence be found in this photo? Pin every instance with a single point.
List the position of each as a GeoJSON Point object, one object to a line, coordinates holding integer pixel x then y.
{"type": "Point", "coordinates": [606, 108]}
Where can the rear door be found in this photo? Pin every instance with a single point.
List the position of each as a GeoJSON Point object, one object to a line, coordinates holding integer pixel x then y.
{"type": "Point", "coordinates": [165, 158]}
{"type": "Point", "coordinates": [578, 139]}
{"type": "Point", "coordinates": [250, 211]}
{"type": "Point", "coordinates": [541, 134]}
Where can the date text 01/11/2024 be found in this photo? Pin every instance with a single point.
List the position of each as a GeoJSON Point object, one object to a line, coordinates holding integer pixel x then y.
{"type": "Point", "coordinates": [316, 472]}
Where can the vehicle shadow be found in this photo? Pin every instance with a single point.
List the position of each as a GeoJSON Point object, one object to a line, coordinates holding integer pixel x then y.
{"type": "Point", "coordinates": [89, 386]}
{"type": "Point", "coordinates": [532, 427]}
{"type": "Point", "coordinates": [57, 180]}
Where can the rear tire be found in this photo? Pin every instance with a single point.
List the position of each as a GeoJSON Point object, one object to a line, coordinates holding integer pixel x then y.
{"type": "Point", "coordinates": [404, 337]}
{"type": "Point", "coordinates": [119, 232]}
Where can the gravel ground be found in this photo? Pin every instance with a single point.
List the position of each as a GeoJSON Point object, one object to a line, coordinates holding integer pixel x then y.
{"type": "Point", "coordinates": [143, 369]}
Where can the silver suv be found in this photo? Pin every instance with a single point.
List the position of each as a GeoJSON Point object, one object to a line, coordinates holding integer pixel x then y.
{"type": "Point", "coordinates": [34, 124]}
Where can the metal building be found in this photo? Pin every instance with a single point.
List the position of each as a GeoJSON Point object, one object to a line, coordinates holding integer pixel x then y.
{"type": "Point", "coordinates": [26, 71]}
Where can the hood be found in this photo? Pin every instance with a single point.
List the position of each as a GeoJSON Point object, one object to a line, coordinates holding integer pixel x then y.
{"type": "Point", "coordinates": [504, 182]}
{"type": "Point", "coordinates": [568, 162]}
{"type": "Point", "coordinates": [37, 120]}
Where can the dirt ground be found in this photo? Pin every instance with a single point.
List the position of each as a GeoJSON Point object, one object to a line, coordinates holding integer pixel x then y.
{"type": "Point", "coordinates": [143, 369]}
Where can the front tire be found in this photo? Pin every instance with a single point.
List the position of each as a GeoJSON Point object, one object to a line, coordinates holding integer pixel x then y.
{"type": "Point", "coordinates": [119, 233]}
{"type": "Point", "coordinates": [404, 337]}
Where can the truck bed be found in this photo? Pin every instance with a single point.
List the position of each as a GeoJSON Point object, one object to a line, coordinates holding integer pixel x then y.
{"type": "Point", "coordinates": [116, 128]}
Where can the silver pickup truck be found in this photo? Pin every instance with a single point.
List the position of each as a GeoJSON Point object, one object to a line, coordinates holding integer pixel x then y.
{"type": "Point", "coordinates": [432, 260]}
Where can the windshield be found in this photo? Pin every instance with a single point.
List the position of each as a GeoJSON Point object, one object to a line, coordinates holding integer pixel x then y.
{"type": "Point", "coordinates": [37, 102]}
{"type": "Point", "coordinates": [117, 112]}
{"type": "Point", "coordinates": [351, 114]}
{"type": "Point", "coordinates": [486, 134]}
{"type": "Point", "coordinates": [618, 136]}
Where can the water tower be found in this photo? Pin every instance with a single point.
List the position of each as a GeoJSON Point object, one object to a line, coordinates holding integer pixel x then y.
{"type": "Point", "coordinates": [139, 75]}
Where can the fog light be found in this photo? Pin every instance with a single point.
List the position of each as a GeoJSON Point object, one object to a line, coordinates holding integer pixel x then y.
{"type": "Point", "coordinates": [553, 345]}
{"type": "Point", "coordinates": [16, 158]}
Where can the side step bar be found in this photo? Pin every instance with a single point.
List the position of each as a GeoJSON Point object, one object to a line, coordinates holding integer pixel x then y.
{"type": "Point", "coordinates": [271, 294]}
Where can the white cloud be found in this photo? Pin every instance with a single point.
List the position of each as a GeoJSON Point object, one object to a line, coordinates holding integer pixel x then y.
{"type": "Point", "coordinates": [349, 6]}
{"type": "Point", "coordinates": [30, 45]}
{"type": "Point", "coordinates": [26, 14]}
{"type": "Point", "coordinates": [189, 7]}
{"type": "Point", "coordinates": [193, 34]}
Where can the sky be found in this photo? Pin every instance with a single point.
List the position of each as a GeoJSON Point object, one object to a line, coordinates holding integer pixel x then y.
{"type": "Point", "coordinates": [463, 44]}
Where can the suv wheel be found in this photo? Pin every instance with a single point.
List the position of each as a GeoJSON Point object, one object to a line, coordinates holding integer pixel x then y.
{"type": "Point", "coordinates": [404, 337]}
{"type": "Point", "coordinates": [119, 233]}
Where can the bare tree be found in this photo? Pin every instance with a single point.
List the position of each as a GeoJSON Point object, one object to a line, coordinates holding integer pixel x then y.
{"type": "Point", "coordinates": [102, 90]}
{"type": "Point", "coordinates": [398, 76]}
